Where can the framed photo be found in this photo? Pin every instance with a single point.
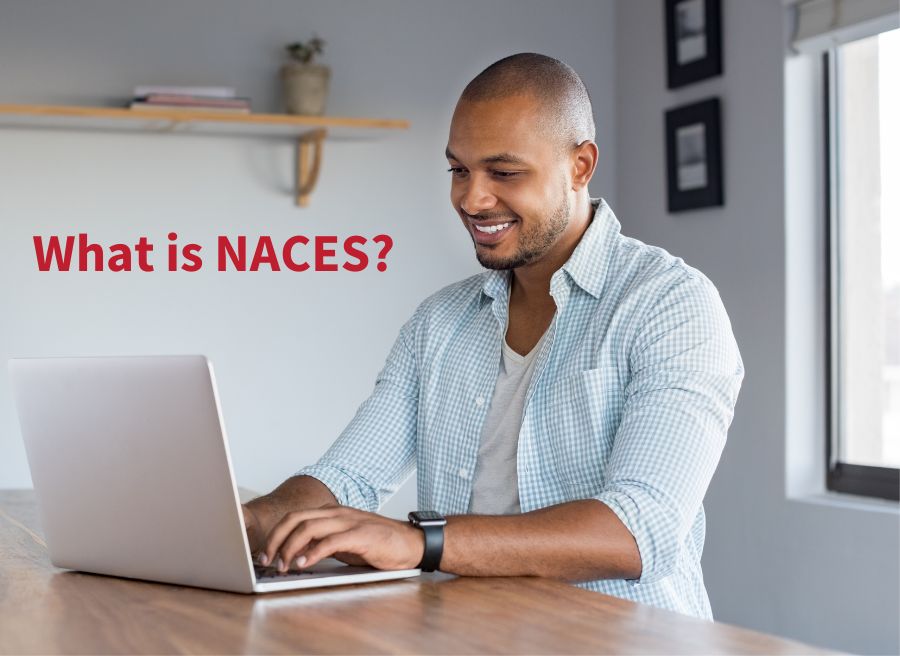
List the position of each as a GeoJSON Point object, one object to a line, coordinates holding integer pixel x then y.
{"type": "Point", "coordinates": [693, 40]}
{"type": "Point", "coordinates": [694, 156]}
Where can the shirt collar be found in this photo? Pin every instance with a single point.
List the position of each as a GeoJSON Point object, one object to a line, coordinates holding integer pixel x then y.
{"type": "Point", "coordinates": [588, 264]}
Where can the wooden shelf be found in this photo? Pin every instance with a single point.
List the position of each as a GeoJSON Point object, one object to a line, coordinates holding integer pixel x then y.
{"type": "Point", "coordinates": [309, 131]}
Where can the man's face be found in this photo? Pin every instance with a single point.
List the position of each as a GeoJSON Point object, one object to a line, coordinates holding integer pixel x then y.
{"type": "Point", "coordinates": [509, 181]}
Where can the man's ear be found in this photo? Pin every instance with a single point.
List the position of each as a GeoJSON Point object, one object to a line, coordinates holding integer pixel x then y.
{"type": "Point", "coordinates": [584, 161]}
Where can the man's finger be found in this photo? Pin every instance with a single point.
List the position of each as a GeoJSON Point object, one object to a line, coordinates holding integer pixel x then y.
{"type": "Point", "coordinates": [306, 533]}
{"type": "Point", "coordinates": [288, 523]}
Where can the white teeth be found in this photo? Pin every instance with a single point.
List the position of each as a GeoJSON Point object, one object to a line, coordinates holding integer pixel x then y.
{"type": "Point", "coordinates": [490, 229]}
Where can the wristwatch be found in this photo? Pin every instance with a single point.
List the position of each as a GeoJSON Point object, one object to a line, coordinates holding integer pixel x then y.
{"type": "Point", "coordinates": [432, 524]}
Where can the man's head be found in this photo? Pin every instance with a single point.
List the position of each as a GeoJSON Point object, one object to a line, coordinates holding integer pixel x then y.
{"type": "Point", "coordinates": [521, 151]}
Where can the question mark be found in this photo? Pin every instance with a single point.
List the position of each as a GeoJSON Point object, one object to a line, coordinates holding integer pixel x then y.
{"type": "Point", "coordinates": [388, 244]}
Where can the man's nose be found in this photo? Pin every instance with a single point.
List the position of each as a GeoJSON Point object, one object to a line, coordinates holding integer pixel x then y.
{"type": "Point", "coordinates": [477, 197]}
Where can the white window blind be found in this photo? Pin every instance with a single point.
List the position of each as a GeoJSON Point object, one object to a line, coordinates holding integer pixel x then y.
{"type": "Point", "coordinates": [822, 24]}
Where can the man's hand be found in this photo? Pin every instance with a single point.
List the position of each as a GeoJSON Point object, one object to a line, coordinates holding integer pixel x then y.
{"type": "Point", "coordinates": [356, 537]}
{"type": "Point", "coordinates": [255, 534]}
{"type": "Point", "coordinates": [263, 513]}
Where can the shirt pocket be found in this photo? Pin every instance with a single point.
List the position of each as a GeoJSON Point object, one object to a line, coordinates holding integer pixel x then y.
{"type": "Point", "coordinates": [582, 415]}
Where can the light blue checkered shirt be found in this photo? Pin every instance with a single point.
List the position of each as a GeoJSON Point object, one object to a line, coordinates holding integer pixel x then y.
{"type": "Point", "coordinates": [630, 402]}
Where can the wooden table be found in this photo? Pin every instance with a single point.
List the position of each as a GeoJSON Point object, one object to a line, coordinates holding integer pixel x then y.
{"type": "Point", "coordinates": [47, 610]}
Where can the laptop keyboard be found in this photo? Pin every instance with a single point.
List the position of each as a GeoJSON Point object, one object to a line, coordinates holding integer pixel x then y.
{"type": "Point", "coordinates": [272, 574]}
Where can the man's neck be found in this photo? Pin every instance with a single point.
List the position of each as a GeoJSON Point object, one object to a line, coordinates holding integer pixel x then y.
{"type": "Point", "coordinates": [530, 284]}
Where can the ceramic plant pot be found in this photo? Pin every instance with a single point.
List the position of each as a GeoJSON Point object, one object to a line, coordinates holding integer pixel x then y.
{"type": "Point", "coordinates": [305, 88]}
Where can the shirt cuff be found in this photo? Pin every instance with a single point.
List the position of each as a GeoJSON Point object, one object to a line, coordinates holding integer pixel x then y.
{"type": "Point", "coordinates": [627, 511]}
{"type": "Point", "coordinates": [349, 490]}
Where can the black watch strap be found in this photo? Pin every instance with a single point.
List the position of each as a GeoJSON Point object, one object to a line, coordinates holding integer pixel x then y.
{"type": "Point", "coordinates": [432, 524]}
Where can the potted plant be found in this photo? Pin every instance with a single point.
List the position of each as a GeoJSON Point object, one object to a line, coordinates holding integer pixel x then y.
{"type": "Point", "coordinates": [305, 82]}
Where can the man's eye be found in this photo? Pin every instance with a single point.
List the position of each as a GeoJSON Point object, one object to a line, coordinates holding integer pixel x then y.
{"type": "Point", "coordinates": [506, 174]}
{"type": "Point", "coordinates": [456, 170]}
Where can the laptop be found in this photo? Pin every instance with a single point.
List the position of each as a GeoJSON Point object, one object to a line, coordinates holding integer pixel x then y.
{"type": "Point", "coordinates": [133, 478]}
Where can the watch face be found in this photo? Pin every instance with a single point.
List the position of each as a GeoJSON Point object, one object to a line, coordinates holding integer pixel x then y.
{"type": "Point", "coordinates": [427, 517]}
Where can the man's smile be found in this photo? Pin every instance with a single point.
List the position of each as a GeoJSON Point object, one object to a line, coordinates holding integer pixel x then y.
{"type": "Point", "coordinates": [492, 228]}
{"type": "Point", "coordinates": [490, 232]}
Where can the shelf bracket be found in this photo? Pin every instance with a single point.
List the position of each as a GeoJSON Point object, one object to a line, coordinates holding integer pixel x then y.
{"type": "Point", "coordinates": [309, 161]}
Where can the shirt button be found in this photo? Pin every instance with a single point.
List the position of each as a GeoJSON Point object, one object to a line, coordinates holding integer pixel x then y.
{"type": "Point", "coordinates": [479, 401]}
{"type": "Point", "coordinates": [463, 473]}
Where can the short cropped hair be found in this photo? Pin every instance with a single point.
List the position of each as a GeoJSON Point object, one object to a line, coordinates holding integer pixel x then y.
{"type": "Point", "coordinates": [567, 113]}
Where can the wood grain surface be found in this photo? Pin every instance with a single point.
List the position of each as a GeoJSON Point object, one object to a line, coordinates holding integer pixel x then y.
{"type": "Point", "coordinates": [46, 610]}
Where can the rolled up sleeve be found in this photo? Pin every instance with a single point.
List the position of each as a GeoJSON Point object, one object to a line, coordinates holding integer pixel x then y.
{"type": "Point", "coordinates": [685, 374]}
{"type": "Point", "coordinates": [375, 453]}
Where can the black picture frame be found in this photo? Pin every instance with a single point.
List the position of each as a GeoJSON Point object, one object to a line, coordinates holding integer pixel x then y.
{"type": "Point", "coordinates": [693, 40]}
{"type": "Point", "coordinates": [694, 156]}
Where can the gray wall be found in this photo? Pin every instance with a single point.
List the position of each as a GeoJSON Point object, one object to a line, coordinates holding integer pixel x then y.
{"type": "Point", "coordinates": [781, 556]}
{"type": "Point", "coordinates": [295, 353]}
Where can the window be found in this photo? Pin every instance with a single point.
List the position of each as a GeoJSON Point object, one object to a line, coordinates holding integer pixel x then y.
{"type": "Point", "coordinates": [863, 174]}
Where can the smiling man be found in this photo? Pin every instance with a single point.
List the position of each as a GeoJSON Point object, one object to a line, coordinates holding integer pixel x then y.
{"type": "Point", "coordinates": [565, 410]}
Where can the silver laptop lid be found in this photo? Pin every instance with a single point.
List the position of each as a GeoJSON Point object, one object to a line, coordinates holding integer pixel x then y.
{"type": "Point", "coordinates": [131, 470]}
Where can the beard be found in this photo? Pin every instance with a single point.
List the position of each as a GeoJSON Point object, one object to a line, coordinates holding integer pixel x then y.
{"type": "Point", "coordinates": [533, 244]}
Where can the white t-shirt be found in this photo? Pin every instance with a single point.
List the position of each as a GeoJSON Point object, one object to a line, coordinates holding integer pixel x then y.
{"type": "Point", "coordinates": [495, 486]}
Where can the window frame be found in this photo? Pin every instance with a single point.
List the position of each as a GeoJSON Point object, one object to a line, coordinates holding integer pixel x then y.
{"type": "Point", "coordinates": [863, 480]}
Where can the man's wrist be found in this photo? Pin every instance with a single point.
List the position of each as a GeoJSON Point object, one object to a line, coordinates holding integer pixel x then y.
{"type": "Point", "coordinates": [431, 524]}
{"type": "Point", "coordinates": [417, 545]}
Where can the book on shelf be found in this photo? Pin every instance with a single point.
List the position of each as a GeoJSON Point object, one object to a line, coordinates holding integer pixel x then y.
{"type": "Point", "coordinates": [174, 99]}
{"type": "Point", "coordinates": [211, 99]}
{"type": "Point", "coordinates": [205, 92]}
